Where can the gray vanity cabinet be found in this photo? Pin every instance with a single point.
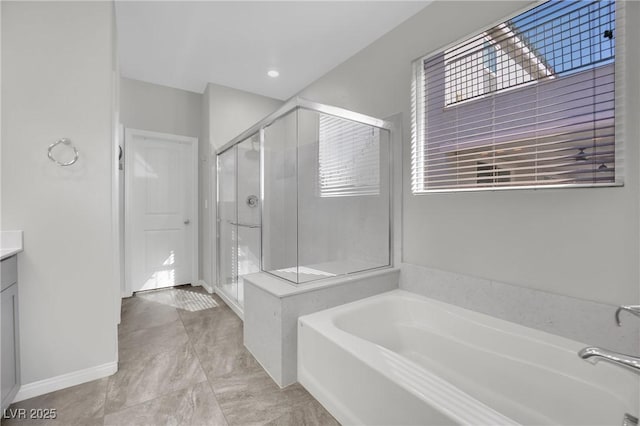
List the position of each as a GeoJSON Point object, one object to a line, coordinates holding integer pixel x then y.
{"type": "Point", "coordinates": [9, 343]}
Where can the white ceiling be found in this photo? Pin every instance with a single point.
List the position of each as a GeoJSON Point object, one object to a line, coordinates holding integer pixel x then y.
{"type": "Point", "coordinates": [233, 43]}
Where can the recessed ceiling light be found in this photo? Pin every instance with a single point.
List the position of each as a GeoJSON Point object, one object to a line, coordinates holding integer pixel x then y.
{"type": "Point", "coordinates": [273, 73]}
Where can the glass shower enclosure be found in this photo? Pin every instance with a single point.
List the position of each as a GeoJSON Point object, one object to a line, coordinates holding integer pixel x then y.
{"type": "Point", "coordinates": [304, 195]}
{"type": "Point", "coordinates": [238, 216]}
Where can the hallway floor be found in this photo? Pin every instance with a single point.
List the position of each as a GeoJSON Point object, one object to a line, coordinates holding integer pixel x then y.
{"type": "Point", "coordinates": [182, 362]}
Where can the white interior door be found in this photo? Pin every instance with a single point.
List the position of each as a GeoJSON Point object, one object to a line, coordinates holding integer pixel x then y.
{"type": "Point", "coordinates": [160, 179]}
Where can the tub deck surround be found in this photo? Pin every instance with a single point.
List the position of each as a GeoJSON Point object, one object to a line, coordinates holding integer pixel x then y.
{"type": "Point", "coordinates": [11, 242]}
{"type": "Point", "coordinates": [575, 319]}
{"type": "Point", "coordinates": [401, 358]}
{"type": "Point", "coordinates": [272, 307]}
{"type": "Point", "coordinates": [282, 288]}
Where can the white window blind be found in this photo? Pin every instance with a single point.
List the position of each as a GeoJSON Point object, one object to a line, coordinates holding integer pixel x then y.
{"type": "Point", "coordinates": [349, 158]}
{"type": "Point", "coordinates": [528, 103]}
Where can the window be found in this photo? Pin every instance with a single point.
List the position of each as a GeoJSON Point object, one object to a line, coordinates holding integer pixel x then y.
{"type": "Point", "coordinates": [489, 173]}
{"type": "Point", "coordinates": [349, 158]}
{"type": "Point", "coordinates": [527, 103]}
{"type": "Point", "coordinates": [490, 57]}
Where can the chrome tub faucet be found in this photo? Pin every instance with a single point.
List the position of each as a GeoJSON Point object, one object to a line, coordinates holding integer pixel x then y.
{"type": "Point", "coordinates": [632, 309]}
{"type": "Point", "coordinates": [594, 354]}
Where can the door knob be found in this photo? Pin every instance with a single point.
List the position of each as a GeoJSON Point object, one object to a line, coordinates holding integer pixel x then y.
{"type": "Point", "coordinates": [186, 222]}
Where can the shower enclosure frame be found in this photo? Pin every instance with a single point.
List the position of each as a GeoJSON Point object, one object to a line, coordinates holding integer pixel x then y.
{"type": "Point", "coordinates": [293, 104]}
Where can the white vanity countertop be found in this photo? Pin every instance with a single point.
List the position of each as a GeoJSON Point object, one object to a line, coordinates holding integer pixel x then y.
{"type": "Point", "coordinates": [10, 243]}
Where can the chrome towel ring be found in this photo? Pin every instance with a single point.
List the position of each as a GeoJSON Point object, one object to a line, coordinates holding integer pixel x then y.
{"type": "Point", "coordinates": [64, 141]}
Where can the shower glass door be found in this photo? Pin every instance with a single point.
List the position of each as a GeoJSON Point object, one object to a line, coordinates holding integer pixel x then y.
{"type": "Point", "coordinates": [248, 209]}
{"type": "Point", "coordinates": [238, 216]}
{"type": "Point", "coordinates": [227, 231]}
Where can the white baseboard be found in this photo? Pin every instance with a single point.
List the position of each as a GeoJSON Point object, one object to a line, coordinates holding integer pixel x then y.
{"type": "Point", "coordinates": [63, 381]}
{"type": "Point", "coordinates": [206, 286]}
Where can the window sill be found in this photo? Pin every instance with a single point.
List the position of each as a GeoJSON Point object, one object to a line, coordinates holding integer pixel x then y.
{"type": "Point", "coordinates": [512, 188]}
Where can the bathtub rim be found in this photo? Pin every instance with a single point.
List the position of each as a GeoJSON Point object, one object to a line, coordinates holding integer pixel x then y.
{"type": "Point", "coordinates": [325, 323]}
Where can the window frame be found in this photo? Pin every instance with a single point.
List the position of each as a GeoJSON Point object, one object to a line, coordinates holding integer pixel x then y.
{"type": "Point", "coordinates": [418, 117]}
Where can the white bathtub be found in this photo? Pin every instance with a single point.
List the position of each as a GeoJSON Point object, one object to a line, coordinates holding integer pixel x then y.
{"type": "Point", "coordinates": [400, 358]}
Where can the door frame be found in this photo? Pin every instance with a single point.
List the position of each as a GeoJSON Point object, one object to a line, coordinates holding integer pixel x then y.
{"type": "Point", "coordinates": [129, 134]}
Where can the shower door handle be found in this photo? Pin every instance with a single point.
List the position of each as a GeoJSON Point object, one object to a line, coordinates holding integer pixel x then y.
{"type": "Point", "coordinates": [244, 225]}
{"type": "Point", "coordinates": [186, 222]}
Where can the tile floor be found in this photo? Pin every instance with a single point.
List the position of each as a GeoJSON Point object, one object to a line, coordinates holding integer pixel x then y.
{"type": "Point", "coordinates": [182, 362]}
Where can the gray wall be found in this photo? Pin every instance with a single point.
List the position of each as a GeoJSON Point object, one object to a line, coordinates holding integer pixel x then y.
{"type": "Point", "coordinates": [232, 111]}
{"type": "Point", "coordinates": [57, 81]}
{"type": "Point", "coordinates": [577, 242]}
{"type": "Point", "coordinates": [148, 106]}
